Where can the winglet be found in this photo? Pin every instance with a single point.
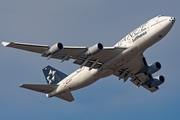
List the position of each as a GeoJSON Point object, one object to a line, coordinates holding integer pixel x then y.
{"type": "Point", "coordinates": [5, 43]}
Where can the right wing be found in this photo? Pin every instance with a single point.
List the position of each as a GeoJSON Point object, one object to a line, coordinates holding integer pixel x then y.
{"type": "Point", "coordinates": [137, 72]}
{"type": "Point", "coordinates": [71, 52]}
{"type": "Point", "coordinates": [48, 89]}
{"type": "Point", "coordinates": [140, 79]}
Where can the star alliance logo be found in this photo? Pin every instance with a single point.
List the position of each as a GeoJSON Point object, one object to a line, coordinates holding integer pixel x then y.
{"type": "Point", "coordinates": [51, 76]}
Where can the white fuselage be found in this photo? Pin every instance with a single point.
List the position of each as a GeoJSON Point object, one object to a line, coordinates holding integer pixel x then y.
{"type": "Point", "coordinates": [136, 43]}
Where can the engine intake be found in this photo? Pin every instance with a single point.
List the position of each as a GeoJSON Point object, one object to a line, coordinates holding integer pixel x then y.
{"type": "Point", "coordinates": [154, 68]}
{"type": "Point", "coordinates": [94, 49]}
{"type": "Point", "coordinates": [54, 49]}
{"type": "Point", "coordinates": [155, 82]}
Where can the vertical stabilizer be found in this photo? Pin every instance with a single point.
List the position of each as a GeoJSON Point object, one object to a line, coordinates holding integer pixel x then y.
{"type": "Point", "coordinates": [52, 75]}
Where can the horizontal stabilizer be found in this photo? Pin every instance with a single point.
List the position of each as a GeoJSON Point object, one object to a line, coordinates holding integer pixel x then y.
{"type": "Point", "coordinates": [66, 96]}
{"type": "Point", "coordinates": [48, 89]}
{"type": "Point", "coordinates": [40, 87]}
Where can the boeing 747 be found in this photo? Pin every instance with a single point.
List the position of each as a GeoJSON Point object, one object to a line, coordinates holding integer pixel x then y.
{"type": "Point", "coordinates": [125, 60]}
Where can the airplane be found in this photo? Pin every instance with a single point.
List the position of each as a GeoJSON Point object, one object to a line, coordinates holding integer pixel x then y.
{"type": "Point", "coordinates": [125, 60]}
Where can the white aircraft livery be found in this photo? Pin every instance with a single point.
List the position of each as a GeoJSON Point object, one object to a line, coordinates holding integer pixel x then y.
{"type": "Point", "coordinates": [124, 60]}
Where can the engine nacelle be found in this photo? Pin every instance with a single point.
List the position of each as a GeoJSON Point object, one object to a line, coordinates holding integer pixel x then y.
{"type": "Point", "coordinates": [94, 49]}
{"type": "Point", "coordinates": [155, 82]}
{"type": "Point", "coordinates": [154, 68]}
{"type": "Point", "coordinates": [54, 49]}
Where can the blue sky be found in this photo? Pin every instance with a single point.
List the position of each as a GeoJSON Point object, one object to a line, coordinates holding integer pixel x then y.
{"type": "Point", "coordinates": [84, 23]}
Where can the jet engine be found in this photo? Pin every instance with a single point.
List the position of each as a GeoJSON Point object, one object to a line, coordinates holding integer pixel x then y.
{"type": "Point", "coordinates": [154, 68]}
{"type": "Point", "coordinates": [155, 82]}
{"type": "Point", "coordinates": [94, 49]}
{"type": "Point", "coordinates": [54, 49]}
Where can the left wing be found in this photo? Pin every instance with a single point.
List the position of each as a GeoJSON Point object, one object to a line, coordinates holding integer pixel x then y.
{"type": "Point", "coordinates": [139, 73]}
{"type": "Point", "coordinates": [70, 52]}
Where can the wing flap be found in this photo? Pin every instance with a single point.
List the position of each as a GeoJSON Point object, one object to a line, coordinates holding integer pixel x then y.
{"type": "Point", "coordinates": [152, 89]}
{"type": "Point", "coordinates": [98, 59]}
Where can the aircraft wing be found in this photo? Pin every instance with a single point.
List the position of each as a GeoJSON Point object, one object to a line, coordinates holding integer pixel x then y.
{"type": "Point", "coordinates": [47, 89]}
{"type": "Point", "coordinates": [137, 77]}
{"type": "Point", "coordinates": [71, 52]}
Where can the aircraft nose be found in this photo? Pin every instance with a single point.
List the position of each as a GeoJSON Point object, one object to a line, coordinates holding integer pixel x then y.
{"type": "Point", "coordinates": [172, 19]}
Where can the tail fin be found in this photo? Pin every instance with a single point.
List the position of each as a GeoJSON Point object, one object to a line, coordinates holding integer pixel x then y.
{"type": "Point", "coordinates": [52, 75]}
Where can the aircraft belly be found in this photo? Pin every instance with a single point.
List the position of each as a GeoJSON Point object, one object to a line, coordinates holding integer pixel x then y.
{"type": "Point", "coordinates": [83, 79]}
{"type": "Point", "coordinates": [122, 59]}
